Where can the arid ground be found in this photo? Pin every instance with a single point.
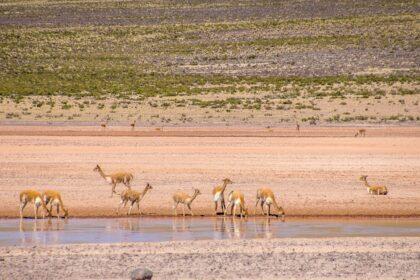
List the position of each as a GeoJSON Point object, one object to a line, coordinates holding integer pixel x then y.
{"type": "Point", "coordinates": [332, 258]}
{"type": "Point", "coordinates": [310, 175]}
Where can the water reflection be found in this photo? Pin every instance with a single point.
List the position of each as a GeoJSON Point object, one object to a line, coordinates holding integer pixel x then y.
{"type": "Point", "coordinates": [263, 228]}
{"type": "Point", "coordinates": [31, 231]}
{"type": "Point", "coordinates": [41, 225]}
{"type": "Point", "coordinates": [181, 224]}
{"type": "Point", "coordinates": [152, 229]}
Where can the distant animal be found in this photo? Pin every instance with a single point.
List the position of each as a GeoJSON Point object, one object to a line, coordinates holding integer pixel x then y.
{"type": "Point", "coordinates": [360, 132]}
{"type": "Point", "coordinates": [34, 197]}
{"type": "Point", "coordinates": [219, 195]}
{"type": "Point", "coordinates": [236, 199]}
{"type": "Point", "coordinates": [265, 196]}
{"type": "Point", "coordinates": [377, 190]}
{"type": "Point", "coordinates": [297, 127]}
{"type": "Point", "coordinates": [312, 122]}
{"type": "Point", "coordinates": [134, 197]}
{"type": "Point", "coordinates": [133, 124]}
{"type": "Point", "coordinates": [184, 199]}
{"type": "Point", "coordinates": [104, 123]}
{"type": "Point", "coordinates": [53, 198]}
{"type": "Point", "coordinates": [115, 178]}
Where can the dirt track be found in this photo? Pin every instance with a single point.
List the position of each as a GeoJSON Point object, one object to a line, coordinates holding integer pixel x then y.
{"type": "Point", "coordinates": [310, 175]}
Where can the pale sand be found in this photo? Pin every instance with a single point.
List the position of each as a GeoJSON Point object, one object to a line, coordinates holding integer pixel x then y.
{"type": "Point", "coordinates": [347, 258]}
{"type": "Point", "coordinates": [309, 175]}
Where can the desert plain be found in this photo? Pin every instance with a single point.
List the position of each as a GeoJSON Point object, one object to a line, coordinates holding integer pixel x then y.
{"type": "Point", "coordinates": [311, 176]}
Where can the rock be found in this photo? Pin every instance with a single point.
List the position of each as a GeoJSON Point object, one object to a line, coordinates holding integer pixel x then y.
{"type": "Point", "coordinates": [141, 274]}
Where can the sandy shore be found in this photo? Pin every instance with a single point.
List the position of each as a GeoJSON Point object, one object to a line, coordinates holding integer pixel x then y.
{"type": "Point", "coordinates": [349, 258]}
{"type": "Point", "coordinates": [310, 175]}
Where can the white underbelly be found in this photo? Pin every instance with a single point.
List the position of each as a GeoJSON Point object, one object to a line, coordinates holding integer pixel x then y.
{"type": "Point", "coordinates": [238, 201]}
{"type": "Point", "coordinates": [268, 201]}
{"type": "Point", "coordinates": [217, 196]}
{"type": "Point", "coordinates": [108, 179]}
{"type": "Point", "coordinates": [38, 201]}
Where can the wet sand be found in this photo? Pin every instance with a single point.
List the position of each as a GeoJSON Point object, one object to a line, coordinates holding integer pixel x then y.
{"type": "Point", "coordinates": [349, 258]}
{"type": "Point", "coordinates": [311, 176]}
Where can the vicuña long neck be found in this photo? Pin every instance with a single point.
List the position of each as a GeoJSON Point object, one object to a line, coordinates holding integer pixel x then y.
{"type": "Point", "coordinates": [62, 204]}
{"type": "Point", "coordinates": [224, 186]}
{"type": "Point", "coordinates": [275, 204]}
{"type": "Point", "coordinates": [366, 183]}
{"type": "Point", "coordinates": [193, 197]}
{"type": "Point", "coordinates": [144, 191]}
{"type": "Point", "coordinates": [103, 175]}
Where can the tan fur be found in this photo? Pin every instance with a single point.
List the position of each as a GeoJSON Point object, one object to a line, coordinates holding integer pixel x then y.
{"type": "Point", "coordinates": [377, 190]}
{"type": "Point", "coordinates": [104, 124]}
{"type": "Point", "coordinates": [115, 178]}
{"type": "Point", "coordinates": [236, 199]}
{"type": "Point", "coordinates": [54, 198]}
{"type": "Point", "coordinates": [31, 196]}
{"type": "Point", "coordinates": [134, 197]}
{"type": "Point", "coordinates": [265, 196]}
{"type": "Point", "coordinates": [360, 132]}
{"type": "Point", "coordinates": [219, 191]}
{"type": "Point", "coordinates": [184, 199]}
{"type": "Point", "coordinates": [133, 124]}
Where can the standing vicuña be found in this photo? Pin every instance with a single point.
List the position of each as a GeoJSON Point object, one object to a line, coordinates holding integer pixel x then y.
{"type": "Point", "coordinates": [105, 122]}
{"type": "Point", "coordinates": [133, 124]}
{"type": "Point", "coordinates": [236, 199]}
{"type": "Point", "coordinates": [360, 132]}
{"type": "Point", "coordinates": [134, 197]}
{"type": "Point", "coordinates": [115, 178]}
{"type": "Point", "coordinates": [378, 190]}
{"type": "Point", "coordinates": [266, 197]}
{"type": "Point", "coordinates": [184, 199]}
{"type": "Point", "coordinates": [219, 195]}
{"type": "Point", "coordinates": [34, 197]}
{"type": "Point", "coordinates": [54, 199]}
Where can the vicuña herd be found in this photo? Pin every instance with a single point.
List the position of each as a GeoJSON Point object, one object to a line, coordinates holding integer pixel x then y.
{"type": "Point", "coordinates": [235, 198]}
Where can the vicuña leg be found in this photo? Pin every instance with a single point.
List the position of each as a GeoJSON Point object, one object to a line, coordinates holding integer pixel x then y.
{"type": "Point", "coordinates": [222, 203]}
{"type": "Point", "coordinates": [224, 212]}
{"type": "Point", "coordinates": [22, 206]}
{"type": "Point", "coordinates": [262, 207]}
{"type": "Point", "coordinates": [58, 211]}
{"type": "Point", "coordinates": [36, 210]}
{"type": "Point", "coordinates": [256, 204]}
{"type": "Point", "coordinates": [113, 189]}
{"type": "Point", "coordinates": [189, 207]}
{"type": "Point", "coordinates": [175, 206]}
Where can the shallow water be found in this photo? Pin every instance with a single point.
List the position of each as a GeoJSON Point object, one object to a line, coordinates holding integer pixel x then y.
{"type": "Point", "coordinates": [155, 229]}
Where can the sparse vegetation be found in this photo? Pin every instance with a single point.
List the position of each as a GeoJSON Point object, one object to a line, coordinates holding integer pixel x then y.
{"type": "Point", "coordinates": [234, 66]}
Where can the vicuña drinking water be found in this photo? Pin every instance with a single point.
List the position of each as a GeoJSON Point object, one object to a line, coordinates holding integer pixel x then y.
{"type": "Point", "coordinates": [236, 199]}
{"type": "Point", "coordinates": [265, 196]}
{"type": "Point", "coordinates": [53, 198]}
